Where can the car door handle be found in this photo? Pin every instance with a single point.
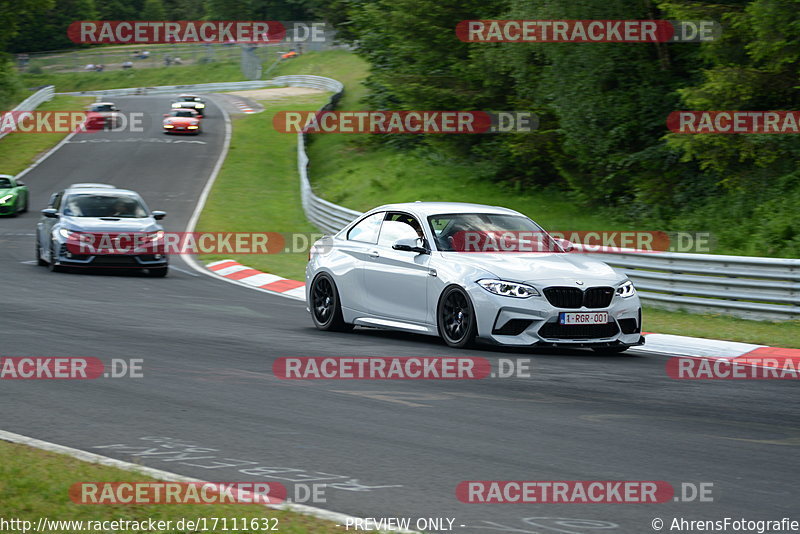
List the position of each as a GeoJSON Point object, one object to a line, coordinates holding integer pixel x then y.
{"type": "Point", "coordinates": [373, 254]}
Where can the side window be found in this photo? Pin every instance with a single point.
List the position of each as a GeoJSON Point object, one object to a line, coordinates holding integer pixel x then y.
{"type": "Point", "coordinates": [55, 200]}
{"type": "Point", "coordinates": [399, 226]}
{"type": "Point", "coordinates": [367, 229]}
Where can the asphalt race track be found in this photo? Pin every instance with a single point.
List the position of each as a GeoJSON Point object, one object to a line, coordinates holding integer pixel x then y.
{"type": "Point", "coordinates": [385, 448]}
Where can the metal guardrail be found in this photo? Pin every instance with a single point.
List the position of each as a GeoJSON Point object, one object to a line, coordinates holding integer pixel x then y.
{"type": "Point", "coordinates": [314, 82]}
{"type": "Point", "coordinates": [44, 94]}
{"type": "Point", "coordinates": [749, 287]}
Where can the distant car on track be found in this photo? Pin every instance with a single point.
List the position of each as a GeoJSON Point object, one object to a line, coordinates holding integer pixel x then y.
{"type": "Point", "coordinates": [103, 115]}
{"type": "Point", "coordinates": [182, 120]}
{"type": "Point", "coordinates": [13, 196]}
{"type": "Point", "coordinates": [96, 225]}
{"type": "Point", "coordinates": [192, 102]}
{"type": "Point", "coordinates": [405, 267]}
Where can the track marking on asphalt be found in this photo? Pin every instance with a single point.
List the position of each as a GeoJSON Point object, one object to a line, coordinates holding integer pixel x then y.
{"type": "Point", "coordinates": [139, 140]}
{"type": "Point", "coordinates": [791, 434]}
{"type": "Point", "coordinates": [415, 399]}
{"type": "Point", "coordinates": [172, 267]}
{"type": "Point", "coordinates": [172, 477]}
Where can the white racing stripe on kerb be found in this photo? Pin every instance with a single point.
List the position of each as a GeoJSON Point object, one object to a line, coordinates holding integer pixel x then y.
{"type": "Point", "coordinates": [171, 477]}
{"type": "Point", "coordinates": [695, 346]}
{"type": "Point", "coordinates": [213, 263]}
{"type": "Point", "coordinates": [260, 279]}
{"type": "Point", "coordinates": [232, 269]}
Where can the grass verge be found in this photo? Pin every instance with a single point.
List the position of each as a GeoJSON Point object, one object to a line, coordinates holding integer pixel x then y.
{"type": "Point", "coordinates": [19, 150]}
{"type": "Point", "coordinates": [715, 326]}
{"type": "Point", "coordinates": [35, 484]}
{"type": "Point", "coordinates": [117, 79]}
{"type": "Point", "coordinates": [257, 189]}
{"type": "Point", "coordinates": [346, 171]}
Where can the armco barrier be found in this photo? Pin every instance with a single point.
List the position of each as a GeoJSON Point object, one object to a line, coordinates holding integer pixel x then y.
{"type": "Point", "coordinates": [749, 287]}
{"type": "Point", "coordinates": [314, 82]}
{"type": "Point", "coordinates": [44, 94]}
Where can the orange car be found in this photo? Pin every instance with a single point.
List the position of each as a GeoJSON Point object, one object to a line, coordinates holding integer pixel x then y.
{"type": "Point", "coordinates": [182, 121]}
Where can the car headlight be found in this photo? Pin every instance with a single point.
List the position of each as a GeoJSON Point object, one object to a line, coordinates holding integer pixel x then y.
{"type": "Point", "coordinates": [626, 290]}
{"type": "Point", "coordinates": [155, 236]}
{"type": "Point", "coordinates": [508, 289]}
{"type": "Point", "coordinates": [193, 127]}
{"type": "Point", "coordinates": [168, 126]}
{"type": "Point", "coordinates": [6, 198]}
{"type": "Point", "coordinates": [76, 236]}
{"type": "Point", "coordinates": [200, 105]}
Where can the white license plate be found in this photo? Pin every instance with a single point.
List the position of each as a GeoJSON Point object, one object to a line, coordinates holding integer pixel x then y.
{"type": "Point", "coordinates": [583, 318]}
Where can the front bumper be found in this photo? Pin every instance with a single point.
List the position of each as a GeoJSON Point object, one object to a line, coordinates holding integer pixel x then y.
{"type": "Point", "coordinates": [123, 261]}
{"type": "Point", "coordinates": [535, 322]}
{"type": "Point", "coordinates": [182, 130]}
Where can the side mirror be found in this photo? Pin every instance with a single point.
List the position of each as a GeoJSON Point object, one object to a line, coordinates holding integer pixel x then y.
{"type": "Point", "coordinates": [566, 244]}
{"type": "Point", "coordinates": [158, 215]}
{"type": "Point", "coordinates": [51, 213]}
{"type": "Point", "coordinates": [20, 183]}
{"type": "Point", "coordinates": [411, 245]}
{"type": "Point", "coordinates": [166, 114]}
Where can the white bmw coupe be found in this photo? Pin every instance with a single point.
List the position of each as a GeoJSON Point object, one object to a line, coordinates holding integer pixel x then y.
{"type": "Point", "coordinates": [469, 272]}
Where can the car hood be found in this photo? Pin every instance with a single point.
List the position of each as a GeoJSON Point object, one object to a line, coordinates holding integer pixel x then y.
{"type": "Point", "coordinates": [6, 190]}
{"type": "Point", "coordinates": [97, 224]}
{"type": "Point", "coordinates": [540, 267]}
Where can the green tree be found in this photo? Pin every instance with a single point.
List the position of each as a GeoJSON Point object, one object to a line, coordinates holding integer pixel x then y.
{"type": "Point", "coordinates": [153, 10]}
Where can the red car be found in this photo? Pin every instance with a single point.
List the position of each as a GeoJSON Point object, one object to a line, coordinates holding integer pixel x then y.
{"type": "Point", "coordinates": [182, 121]}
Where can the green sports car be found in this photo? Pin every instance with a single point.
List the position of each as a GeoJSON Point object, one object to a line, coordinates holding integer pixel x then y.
{"type": "Point", "coordinates": [13, 195]}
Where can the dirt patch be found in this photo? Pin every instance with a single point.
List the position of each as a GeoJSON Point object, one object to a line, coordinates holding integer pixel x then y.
{"type": "Point", "coordinates": [276, 93]}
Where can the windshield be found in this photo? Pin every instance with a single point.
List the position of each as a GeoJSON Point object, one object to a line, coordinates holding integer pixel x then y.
{"type": "Point", "coordinates": [5, 183]}
{"type": "Point", "coordinates": [489, 232]}
{"type": "Point", "coordinates": [102, 107]}
{"type": "Point", "coordinates": [183, 113]}
{"type": "Point", "coordinates": [95, 205]}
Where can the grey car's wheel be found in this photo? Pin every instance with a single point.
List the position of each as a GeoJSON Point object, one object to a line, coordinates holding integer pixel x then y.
{"type": "Point", "coordinates": [326, 309]}
{"type": "Point", "coordinates": [456, 318]}
{"type": "Point", "coordinates": [610, 350]}
{"type": "Point", "coordinates": [159, 272]}
{"type": "Point", "coordinates": [53, 266]}
{"type": "Point", "coordinates": [39, 261]}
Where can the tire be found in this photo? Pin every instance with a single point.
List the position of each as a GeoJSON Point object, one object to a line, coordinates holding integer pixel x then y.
{"type": "Point", "coordinates": [39, 261]}
{"type": "Point", "coordinates": [326, 308]}
{"type": "Point", "coordinates": [159, 272]}
{"type": "Point", "coordinates": [456, 319]}
{"type": "Point", "coordinates": [52, 265]}
{"type": "Point", "coordinates": [610, 350]}
{"type": "Point", "coordinates": [27, 201]}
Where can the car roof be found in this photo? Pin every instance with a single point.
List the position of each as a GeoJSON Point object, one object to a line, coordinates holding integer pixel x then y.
{"type": "Point", "coordinates": [103, 104]}
{"type": "Point", "coordinates": [102, 190]}
{"type": "Point", "coordinates": [92, 185]}
{"type": "Point", "coordinates": [182, 95]}
{"type": "Point", "coordinates": [426, 209]}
